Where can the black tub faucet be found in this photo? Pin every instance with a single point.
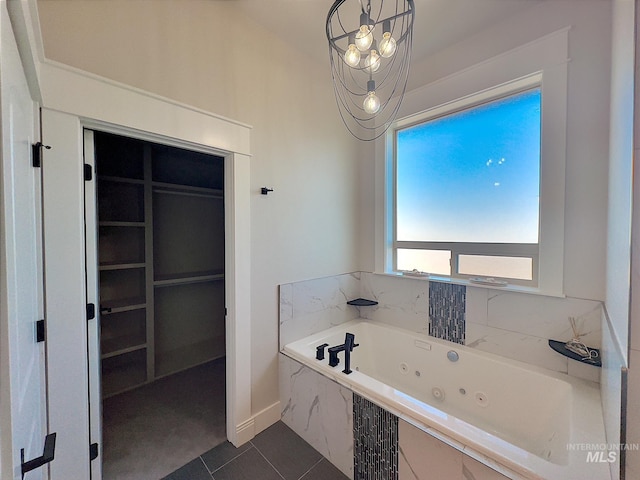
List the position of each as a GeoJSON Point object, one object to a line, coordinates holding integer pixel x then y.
{"type": "Point", "coordinates": [347, 347]}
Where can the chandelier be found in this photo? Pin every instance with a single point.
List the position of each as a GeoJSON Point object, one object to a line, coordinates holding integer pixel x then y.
{"type": "Point", "coordinates": [370, 50]}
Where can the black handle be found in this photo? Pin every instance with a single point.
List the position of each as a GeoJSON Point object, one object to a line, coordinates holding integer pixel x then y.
{"type": "Point", "coordinates": [349, 342]}
{"type": "Point", "coordinates": [47, 455]}
{"type": "Point", "coordinates": [320, 351]}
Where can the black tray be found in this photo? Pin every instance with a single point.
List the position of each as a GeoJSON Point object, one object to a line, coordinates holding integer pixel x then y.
{"type": "Point", "coordinates": [561, 348]}
{"type": "Point", "coordinates": [362, 302]}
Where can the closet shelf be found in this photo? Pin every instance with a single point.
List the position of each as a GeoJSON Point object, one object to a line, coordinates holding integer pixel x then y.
{"type": "Point", "coordinates": [121, 266]}
{"type": "Point", "coordinates": [185, 278]}
{"type": "Point", "coordinates": [122, 224]}
{"type": "Point", "coordinates": [161, 212]}
{"type": "Point", "coordinates": [109, 178]}
{"type": "Point", "coordinates": [163, 187]}
{"type": "Point", "coordinates": [120, 351]}
{"type": "Point", "coordinates": [122, 305]}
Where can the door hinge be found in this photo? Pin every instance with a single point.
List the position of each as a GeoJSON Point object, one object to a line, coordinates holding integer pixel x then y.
{"type": "Point", "coordinates": [88, 172]}
{"type": "Point", "coordinates": [40, 331]}
{"type": "Point", "coordinates": [91, 311]}
{"type": "Point", "coordinates": [36, 153]}
{"type": "Point", "coordinates": [93, 451]}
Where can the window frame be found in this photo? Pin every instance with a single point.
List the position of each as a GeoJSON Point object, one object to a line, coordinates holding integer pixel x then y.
{"type": "Point", "coordinates": [543, 61]}
{"type": "Point", "coordinates": [525, 250]}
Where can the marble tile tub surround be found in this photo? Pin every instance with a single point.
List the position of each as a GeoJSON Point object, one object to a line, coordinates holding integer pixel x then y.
{"type": "Point", "coordinates": [424, 457]}
{"type": "Point", "coordinates": [518, 326]}
{"type": "Point", "coordinates": [319, 410]}
{"type": "Point", "coordinates": [402, 302]}
{"type": "Point", "coordinates": [513, 325]}
{"type": "Point", "coordinates": [311, 306]}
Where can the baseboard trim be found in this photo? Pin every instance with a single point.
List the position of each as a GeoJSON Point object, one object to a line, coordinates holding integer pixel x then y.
{"type": "Point", "coordinates": [267, 417]}
{"type": "Point", "coordinates": [257, 423]}
{"type": "Point", "coordinates": [244, 432]}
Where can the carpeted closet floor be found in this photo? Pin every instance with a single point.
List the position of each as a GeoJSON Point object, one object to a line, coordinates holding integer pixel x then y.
{"type": "Point", "coordinates": [153, 430]}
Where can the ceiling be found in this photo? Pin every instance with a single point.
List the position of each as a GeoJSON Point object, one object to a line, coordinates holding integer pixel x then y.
{"type": "Point", "coordinates": [438, 23]}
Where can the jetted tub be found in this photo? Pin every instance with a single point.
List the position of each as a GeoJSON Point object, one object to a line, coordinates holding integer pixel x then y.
{"type": "Point", "coordinates": [521, 417]}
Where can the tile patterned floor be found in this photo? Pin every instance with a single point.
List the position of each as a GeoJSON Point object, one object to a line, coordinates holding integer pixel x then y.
{"type": "Point", "coordinates": [278, 453]}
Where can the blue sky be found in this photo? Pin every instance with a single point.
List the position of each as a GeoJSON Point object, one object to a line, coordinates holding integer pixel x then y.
{"type": "Point", "coordinates": [472, 176]}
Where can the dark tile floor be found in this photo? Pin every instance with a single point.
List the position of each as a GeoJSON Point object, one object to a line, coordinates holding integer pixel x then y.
{"type": "Point", "coordinates": [277, 453]}
{"type": "Point", "coordinates": [189, 405]}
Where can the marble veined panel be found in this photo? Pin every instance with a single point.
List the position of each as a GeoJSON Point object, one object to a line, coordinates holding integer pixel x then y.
{"type": "Point", "coordinates": [286, 302]}
{"type": "Point", "coordinates": [402, 302]}
{"type": "Point", "coordinates": [476, 305]}
{"type": "Point", "coordinates": [525, 348]}
{"type": "Point", "coordinates": [474, 470]}
{"type": "Point", "coordinates": [319, 410]}
{"type": "Point", "coordinates": [546, 317]}
{"type": "Point", "coordinates": [317, 295]}
{"type": "Point", "coordinates": [311, 306]}
{"type": "Point", "coordinates": [423, 457]}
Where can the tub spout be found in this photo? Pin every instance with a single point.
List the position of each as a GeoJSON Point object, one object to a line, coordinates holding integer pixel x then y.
{"type": "Point", "coordinates": [347, 347]}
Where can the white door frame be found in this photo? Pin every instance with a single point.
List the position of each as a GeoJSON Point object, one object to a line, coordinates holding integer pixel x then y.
{"type": "Point", "coordinates": [72, 101]}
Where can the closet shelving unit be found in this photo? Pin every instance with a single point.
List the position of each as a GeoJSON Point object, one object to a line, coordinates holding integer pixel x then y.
{"type": "Point", "coordinates": [161, 260]}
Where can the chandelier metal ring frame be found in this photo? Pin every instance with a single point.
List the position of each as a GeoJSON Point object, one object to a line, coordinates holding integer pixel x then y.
{"type": "Point", "coordinates": [370, 56]}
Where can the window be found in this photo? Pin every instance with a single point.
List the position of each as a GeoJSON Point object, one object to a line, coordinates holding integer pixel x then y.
{"type": "Point", "coordinates": [467, 181]}
{"type": "Point", "coordinates": [536, 263]}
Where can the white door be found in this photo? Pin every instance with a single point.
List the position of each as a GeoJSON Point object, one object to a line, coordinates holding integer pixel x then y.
{"type": "Point", "coordinates": [22, 368]}
{"type": "Point", "coordinates": [66, 295]}
{"type": "Point", "coordinates": [93, 335]}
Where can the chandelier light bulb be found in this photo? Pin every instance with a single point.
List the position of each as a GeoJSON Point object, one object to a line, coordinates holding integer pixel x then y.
{"type": "Point", "coordinates": [387, 45]}
{"type": "Point", "coordinates": [372, 62]}
{"type": "Point", "coordinates": [364, 38]}
{"type": "Point", "coordinates": [371, 102]}
{"type": "Point", "coordinates": [352, 56]}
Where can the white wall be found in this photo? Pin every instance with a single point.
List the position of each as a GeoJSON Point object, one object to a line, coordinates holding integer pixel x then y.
{"type": "Point", "coordinates": [307, 226]}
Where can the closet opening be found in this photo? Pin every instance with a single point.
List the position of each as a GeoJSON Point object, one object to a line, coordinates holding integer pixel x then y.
{"type": "Point", "coordinates": [161, 270]}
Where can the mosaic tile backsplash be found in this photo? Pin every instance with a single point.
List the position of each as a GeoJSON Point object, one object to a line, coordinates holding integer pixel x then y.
{"type": "Point", "coordinates": [447, 311]}
{"type": "Point", "coordinates": [375, 441]}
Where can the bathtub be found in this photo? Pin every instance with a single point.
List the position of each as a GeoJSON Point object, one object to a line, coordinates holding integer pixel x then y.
{"type": "Point", "coordinates": [514, 417]}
